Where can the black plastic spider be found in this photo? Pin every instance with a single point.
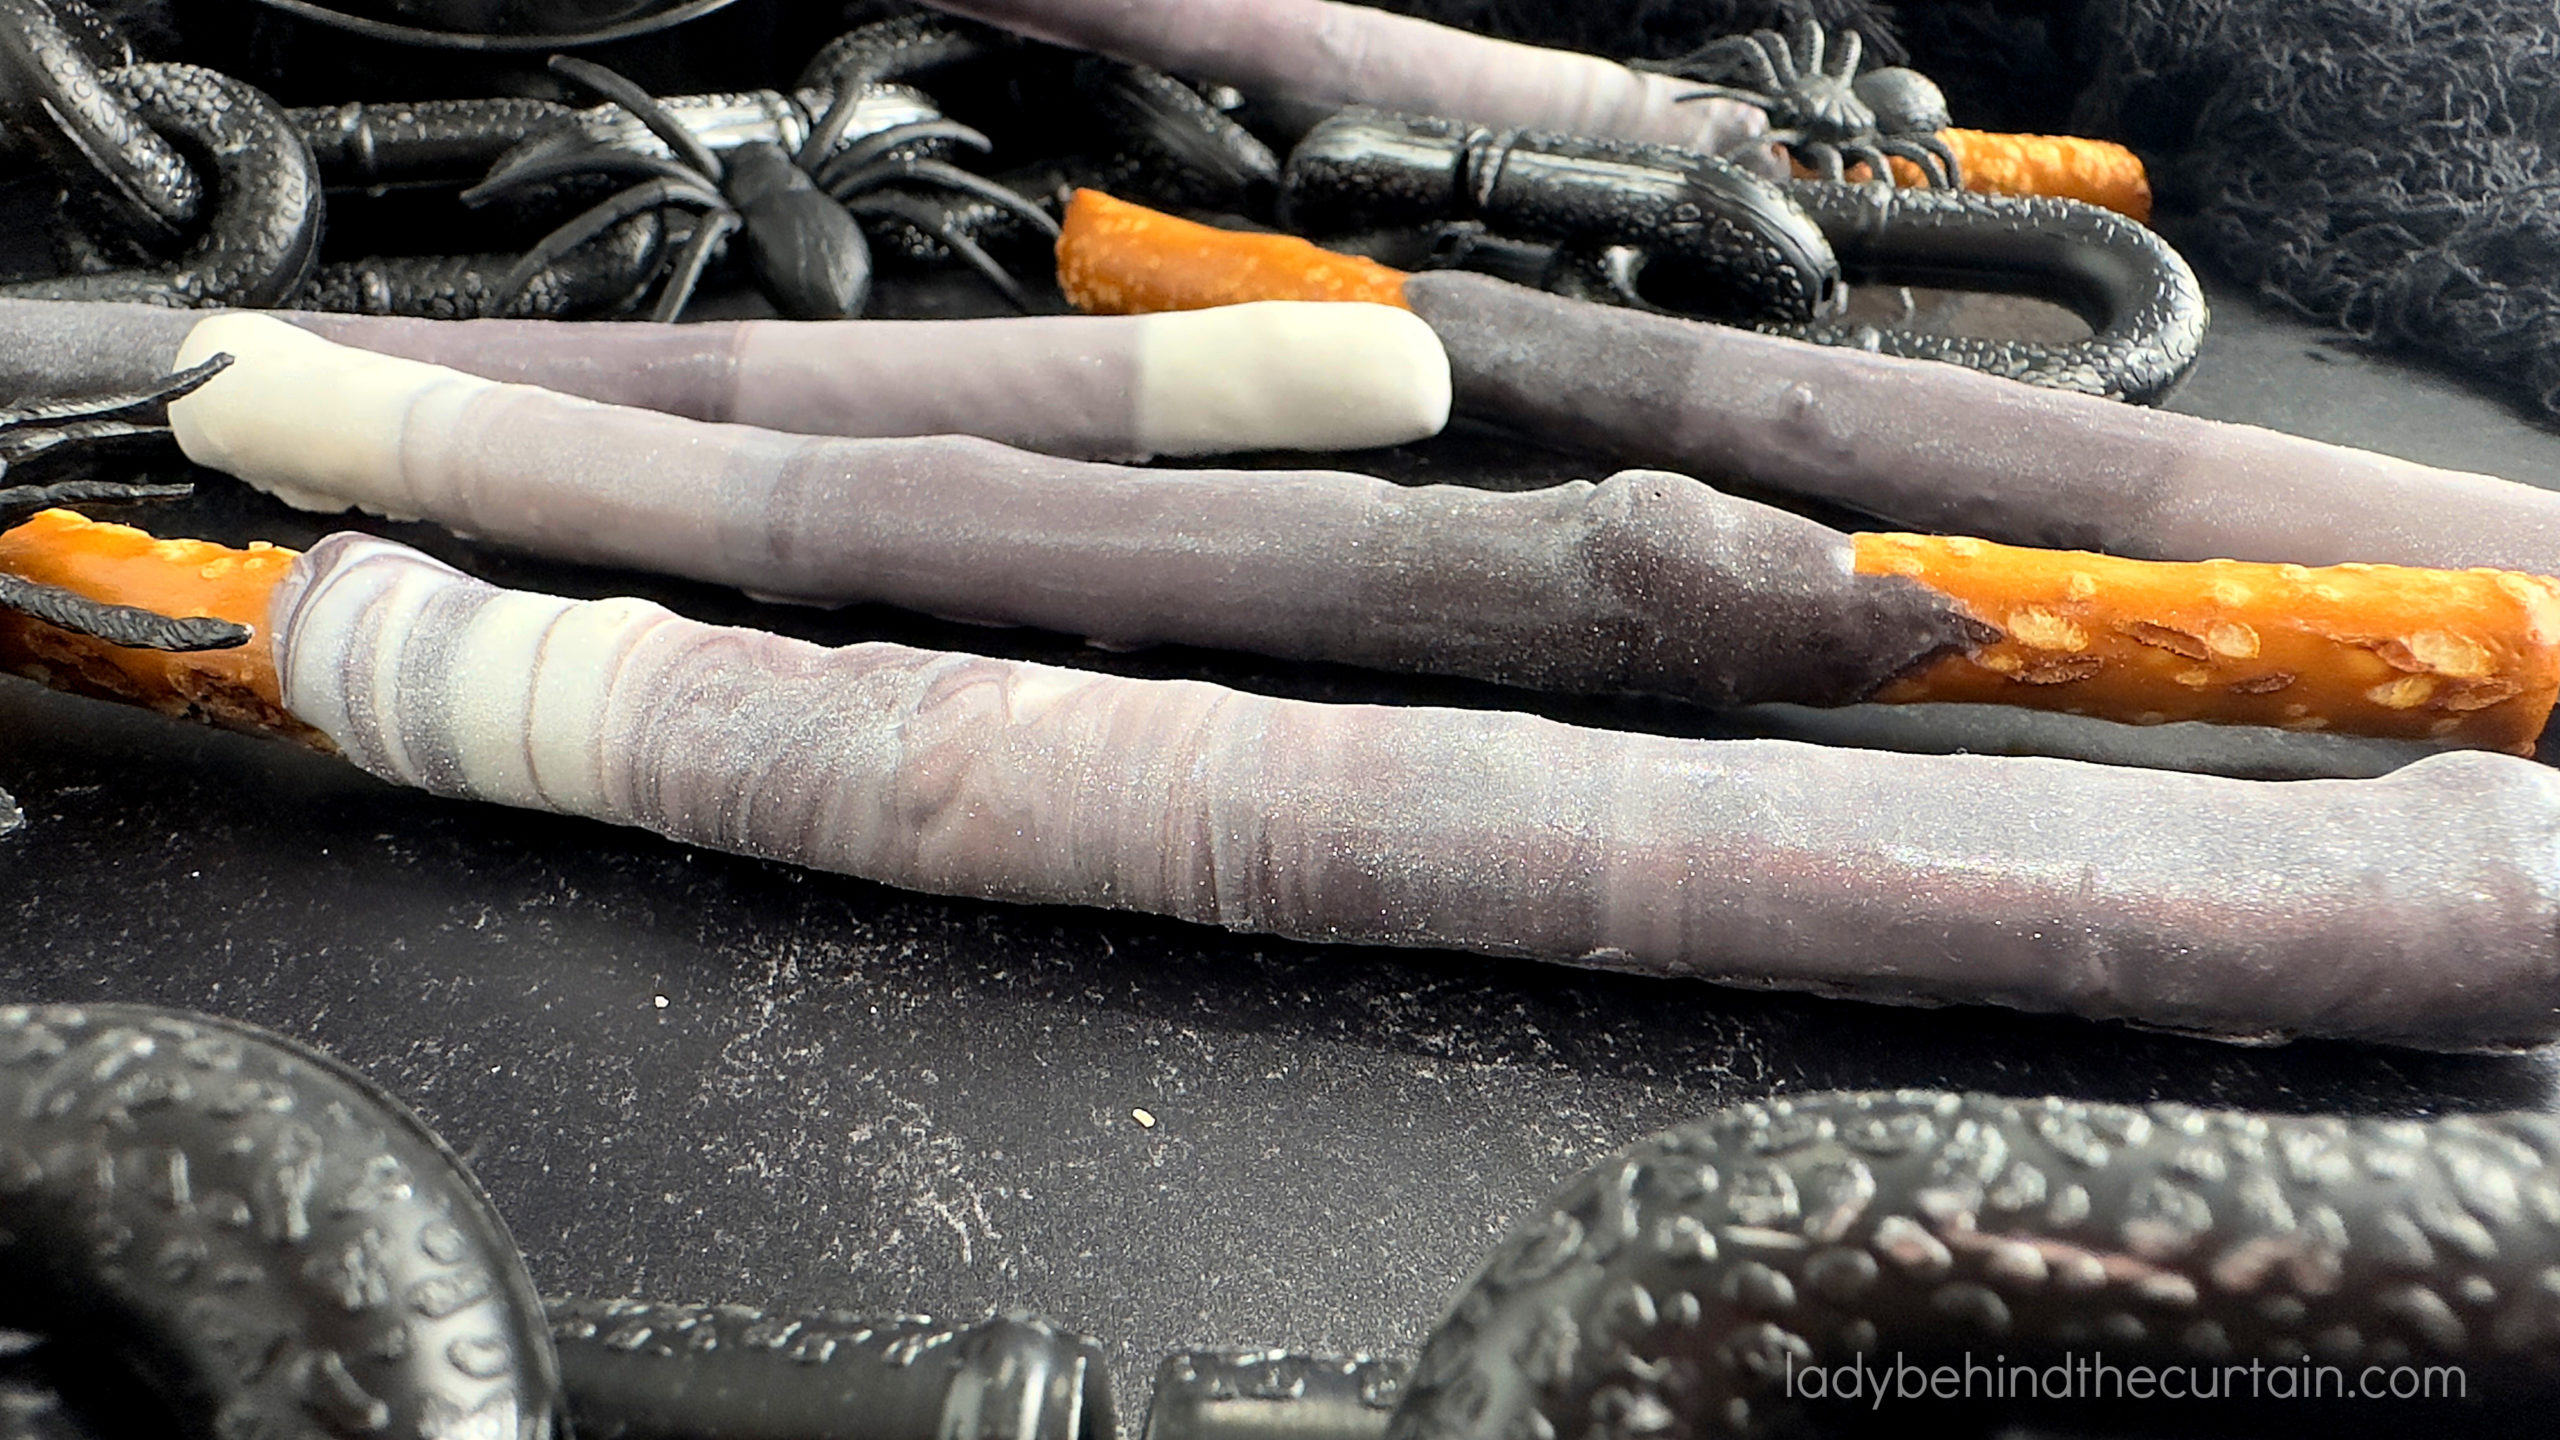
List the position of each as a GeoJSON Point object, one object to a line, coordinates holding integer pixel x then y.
{"type": "Point", "coordinates": [36, 430]}
{"type": "Point", "coordinates": [797, 212]}
{"type": "Point", "coordinates": [1820, 108]}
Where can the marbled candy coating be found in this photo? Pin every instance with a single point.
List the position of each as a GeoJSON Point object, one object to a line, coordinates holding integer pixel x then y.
{"type": "Point", "coordinates": [1244, 377]}
{"type": "Point", "coordinates": [1692, 1277]}
{"type": "Point", "coordinates": [2419, 908]}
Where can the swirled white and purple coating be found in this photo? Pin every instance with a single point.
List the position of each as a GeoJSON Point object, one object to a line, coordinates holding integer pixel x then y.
{"type": "Point", "coordinates": [2418, 908]}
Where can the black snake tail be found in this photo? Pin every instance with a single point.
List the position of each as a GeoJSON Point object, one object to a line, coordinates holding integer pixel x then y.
{"type": "Point", "coordinates": [2142, 303]}
{"type": "Point", "coordinates": [253, 1233]}
{"type": "Point", "coordinates": [1693, 1280]}
{"type": "Point", "coordinates": [638, 1371]}
{"type": "Point", "coordinates": [211, 1231]}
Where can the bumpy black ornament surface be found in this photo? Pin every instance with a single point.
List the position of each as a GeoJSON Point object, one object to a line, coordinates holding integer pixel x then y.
{"type": "Point", "coordinates": [1687, 1285]}
{"type": "Point", "coordinates": [255, 1235]}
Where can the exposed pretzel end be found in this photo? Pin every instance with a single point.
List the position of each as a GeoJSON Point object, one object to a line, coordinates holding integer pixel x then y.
{"type": "Point", "coordinates": [2461, 657]}
{"type": "Point", "coordinates": [1115, 258]}
{"type": "Point", "coordinates": [235, 688]}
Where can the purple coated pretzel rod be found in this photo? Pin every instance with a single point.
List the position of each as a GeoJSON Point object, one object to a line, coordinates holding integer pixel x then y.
{"type": "Point", "coordinates": [1922, 446]}
{"type": "Point", "coordinates": [1646, 582]}
{"type": "Point", "coordinates": [1942, 449]}
{"type": "Point", "coordinates": [1325, 53]}
{"type": "Point", "coordinates": [2421, 908]}
{"type": "Point", "coordinates": [1918, 445]}
{"type": "Point", "coordinates": [1305, 377]}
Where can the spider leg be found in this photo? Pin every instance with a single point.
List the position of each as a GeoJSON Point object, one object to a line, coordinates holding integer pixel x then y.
{"type": "Point", "coordinates": [124, 405]}
{"type": "Point", "coordinates": [19, 502]}
{"type": "Point", "coordinates": [1933, 148]}
{"type": "Point", "coordinates": [27, 431]}
{"type": "Point", "coordinates": [915, 132]}
{"type": "Point", "coordinates": [645, 108]}
{"type": "Point", "coordinates": [830, 127]}
{"type": "Point", "coordinates": [595, 220]}
{"type": "Point", "coordinates": [590, 159]}
{"type": "Point", "coordinates": [1728, 92]}
{"type": "Point", "coordinates": [935, 221]}
{"type": "Point", "coordinates": [1781, 57]}
{"type": "Point", "coordinates": [1764, 69]}
{"type": "Point", "coordinates": [1824, 158]}
{"type": "Point", "coordinates": [690, 261]}
{"type": "Point", "coordinates": [1845, 54]}
{"type": "Point", "coordinates": [1859, 153]}
{"type": "Point", "coordinates": [949, 177]}
{"type": "Point", "coordinates": [1735, 57]}
{"type": "Point", "coordinates": [129, 626]}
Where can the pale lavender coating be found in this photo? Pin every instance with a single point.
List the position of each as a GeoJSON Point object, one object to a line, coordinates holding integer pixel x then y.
{"type": "Point", "coordinates": [1062, 384]}
{"type": "Point", "coordinates": [2417, 908]}
{"type": "Point", "coordinates": [1647, 582]}
{"type": "Point", "coordinates": [1934, 447]}
{"type": "Point", "coordinates": [1322, 52]}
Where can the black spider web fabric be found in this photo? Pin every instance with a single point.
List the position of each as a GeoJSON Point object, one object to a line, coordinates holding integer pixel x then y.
{"type": "Point", "coordinates": [2386, 166]}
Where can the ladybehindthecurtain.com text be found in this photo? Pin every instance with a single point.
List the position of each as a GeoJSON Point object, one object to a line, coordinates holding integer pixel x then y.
{"type": "Point", "coordinates": [2094, 1377]}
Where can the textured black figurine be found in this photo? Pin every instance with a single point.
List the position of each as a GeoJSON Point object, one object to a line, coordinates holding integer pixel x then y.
{"type": "Point", "coordinates": [1820, 107]}
{"type": "Point", "coordinates": [1657, 228]}
{"type": "Point", "coordinates": [124, 139]}
{"type": "Point", "coordinates": [1724, 1278]}
{"type": "Point", "coordinates": [796, 211]}
{"type": "Point", "coordinates": [207, 1230]}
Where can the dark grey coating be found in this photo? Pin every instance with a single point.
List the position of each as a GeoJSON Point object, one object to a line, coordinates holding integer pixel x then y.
{"type": "Point", "coordinates": [52, 348]}
{"type": "Point", "coordinates": [1692, 1278]}
{"type": "Point", "coordinates": [1939, 448]}
{"type": "Point", "coordinates": [1060, 384]}
{"type": "Point", "coordinates": [254, 1233]}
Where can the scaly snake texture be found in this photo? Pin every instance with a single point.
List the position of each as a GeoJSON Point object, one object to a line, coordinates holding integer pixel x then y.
{"type": "Point", "coordinates": [1669, 1290]}
{"type": "Point", "coordinates": [257, 1233]}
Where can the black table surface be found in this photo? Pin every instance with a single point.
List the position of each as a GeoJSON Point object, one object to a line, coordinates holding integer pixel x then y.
{"type": "Point", "coordinates": [694, 1077]}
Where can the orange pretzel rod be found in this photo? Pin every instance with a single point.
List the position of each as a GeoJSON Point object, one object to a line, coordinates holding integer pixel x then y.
{"type": "Point", "coordinates": [118, 564]}
{"type": "Point", "coordinates": [2468, 657]}
{"type": "Point", "coordinates": [2069, 167]}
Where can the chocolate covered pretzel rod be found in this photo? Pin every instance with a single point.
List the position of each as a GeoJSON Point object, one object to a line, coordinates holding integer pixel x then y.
{"type": "Point", "coordinates": [1285, 376]}
{"type": "Point", "coordinates": [1324, 54]}
{"type": "Point", "coordinates": [1647, 582]}
{"type": "Point", "coordinates": [2419, 908]}
{"type": "Point", "coordinates": [1915, 443]}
